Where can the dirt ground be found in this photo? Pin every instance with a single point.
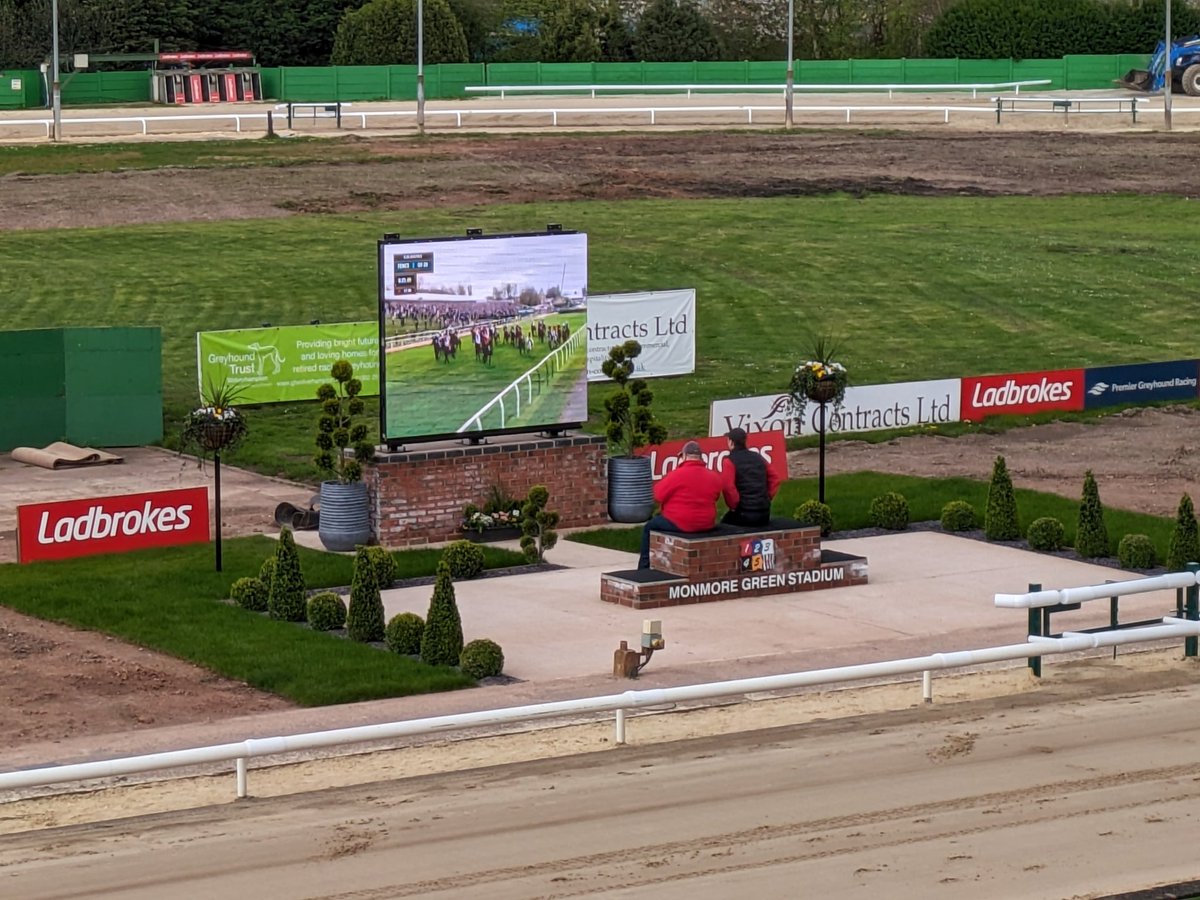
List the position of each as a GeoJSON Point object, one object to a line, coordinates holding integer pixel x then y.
{"type": "Point", "coordinates": [60, 683]}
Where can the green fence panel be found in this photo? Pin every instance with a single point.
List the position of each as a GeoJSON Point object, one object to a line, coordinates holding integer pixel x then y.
{"type": "Point", "coordinates": [90, 386]}
{"type": "Point", "coordinates": [361, 83]}
{"type": "Point", "coordinates": [620, 73]}
{"type": "Point", "coordinates": [402, 82]}
{"type": "Point", "coordinates": [671, 73]}
{"type": "Point", "coordinates": [721, 73]}
{"type": "Point", "coordinates": [454, 77]}
{"type": "Point", "coordinates": [984, 71]}
{"type": "Point", "coordinates": [301, 85]}
{"type": "Point", "coordinates": [568, 73]}
{"type": "Point", "coordinates": [876, 71]}
{"type": "Point", "coordinates": [1086, 73]}
{"type": "Point", "coordinates": [114, 386]}
{"type": "Point", "coordinates": [1040, 69]}
{"type": "Point", "coordinates": [768, 72]}
{"type": "Point", "coordinates": [514, 73]}
{"type": "Point", "coordinates": [822, 71]}
{"type": "Point", "coordinates": [269, 81]}
{"type": "Point", "coordinates": [91, 88]}
{"type": "Point", "coordinates": [929, 71]}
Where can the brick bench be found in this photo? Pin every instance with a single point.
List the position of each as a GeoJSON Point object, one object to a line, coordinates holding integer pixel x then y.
{"type": "Point", "coordinates": [781, 557]}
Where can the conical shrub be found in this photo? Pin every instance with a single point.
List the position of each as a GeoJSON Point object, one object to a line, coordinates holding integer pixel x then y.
{"type": "Point", "coordinates": [364, 617]}
{"type": "Point", "coordinates": [1185, 543]}
{"type": "Point", "coordinates": [286, 597]}
{"type": "Point", "coordinates": [1091, 537]}
{"type": "Point", "coordinates": [442, 640]}
{"type": "Point", "coordinates": [1000, 519]}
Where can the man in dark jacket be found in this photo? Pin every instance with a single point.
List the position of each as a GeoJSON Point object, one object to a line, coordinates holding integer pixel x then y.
{"type": "Point", "coordinates": [756, 483]}
{"type": "Point", "coordinates": [689, 499]}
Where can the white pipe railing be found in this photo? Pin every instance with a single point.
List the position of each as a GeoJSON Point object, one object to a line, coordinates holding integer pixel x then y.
{"type": "Point", "coordinates": [240, 752]}
{"type": "Point", "coordinates": [236, 118]}
{"type": "Point", "coordinates": [1037, 599]}
{"type": "Point", "coordinates": [593, 89]}
{"type": "Point", "coordinates": [567, 346]}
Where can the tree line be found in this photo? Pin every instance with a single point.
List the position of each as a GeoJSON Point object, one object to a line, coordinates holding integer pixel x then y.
{"type": "Point", "coordinates": [380, 32]}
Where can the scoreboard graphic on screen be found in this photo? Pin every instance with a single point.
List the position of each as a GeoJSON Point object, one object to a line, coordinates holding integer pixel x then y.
{"type": "Point", "coordinates": [406, 267]}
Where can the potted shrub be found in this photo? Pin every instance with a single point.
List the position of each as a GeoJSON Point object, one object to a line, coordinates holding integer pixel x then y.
{"type": "Point", "coordinates": [630, 425]}
{"type": "Point", "coordinates": [345, 515]}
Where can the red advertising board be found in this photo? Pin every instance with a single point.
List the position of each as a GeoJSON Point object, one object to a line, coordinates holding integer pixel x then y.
{"type": "Point", "coordinates": [768, 444]}
{"type": "Point", "coordinates": [111, 524]}
{"type": "Point", "coordinates": [1021, 394]}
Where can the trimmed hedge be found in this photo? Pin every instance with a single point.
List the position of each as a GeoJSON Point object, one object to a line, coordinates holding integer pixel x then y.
{"type": "Point", "coordinates": [481, 658]}
{"type": "Point", "coordinates": [814, 512]}
{"type": "Point", "coordinates": [1136, 551]}
{"type": "Point", "coordinates": [959, 515]}
{"type": "Point", "coordinates": [464, 558]}
{"type": "Point", "coordinates": [326, 611]}
{"type": "Point", "coordinates": [890, 511]}
{"type": "Point", "coordinates": [250, 593]}
{"type": "Point", "coordinates": [403, 633]}
{"type": "Point", "coordinates": [1046, 533]}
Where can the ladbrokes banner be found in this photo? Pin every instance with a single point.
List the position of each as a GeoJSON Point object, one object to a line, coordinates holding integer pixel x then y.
{"type": "Point", "coordinates": [69, 528]}
{"type": "Point", "coordinates": [663, 322]}
{"type": "Point", "coordinates": [273, 365]}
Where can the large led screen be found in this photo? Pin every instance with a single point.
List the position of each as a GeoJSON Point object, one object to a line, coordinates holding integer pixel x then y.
{"type": "Point", "coordinates": [482, 335]}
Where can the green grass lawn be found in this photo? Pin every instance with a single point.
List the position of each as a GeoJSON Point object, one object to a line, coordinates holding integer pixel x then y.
{"type": "Point", "coordinates": [912, 288]}
{"type": "Point", "coordinates": [849, 496]}
{"type": "Point", "coordinates": [168, 600]}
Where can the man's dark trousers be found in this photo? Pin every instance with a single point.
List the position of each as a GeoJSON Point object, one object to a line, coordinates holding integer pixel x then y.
{"type": "Point", "coordinates": [658, 523]}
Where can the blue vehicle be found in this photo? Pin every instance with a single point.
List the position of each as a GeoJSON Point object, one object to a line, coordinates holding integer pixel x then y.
{"type": "Point", "coordinates": [1185, 68]}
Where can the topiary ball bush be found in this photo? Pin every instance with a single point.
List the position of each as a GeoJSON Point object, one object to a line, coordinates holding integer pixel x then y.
{"type": "Point", "coordinates": [481, 659]}
{"type": "Point", "coordinates": [384, 565]}
{"type": "Point", "coordinates": [889, 511]}
{"type": "Point", "coordinates": [464, 558]}
{"type": "Point", "coordinates": [814, 512]}
{"type": "Point", "coordinates": [403, 634]}
{"type": "Point", "coordinates": [250, 593]}
{"type": "Point", "coordinates": [959, 515]}
{"type": "Point", "coordinates": [1136, 551]}
{"type": "Point", "coordinates": [326, 611]}
{"type": "Point", "coordinates": [1046, 533]}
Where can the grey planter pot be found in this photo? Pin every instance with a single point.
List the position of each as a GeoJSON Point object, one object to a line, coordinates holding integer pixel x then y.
{"type": "Point", "coordinates": [630, 489]}
{"type": "Point", "coordinates": [345, 520]}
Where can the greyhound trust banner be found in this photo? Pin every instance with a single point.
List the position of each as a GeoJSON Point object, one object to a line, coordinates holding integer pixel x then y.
{"type": "Point", "coordinates": [287, 363]}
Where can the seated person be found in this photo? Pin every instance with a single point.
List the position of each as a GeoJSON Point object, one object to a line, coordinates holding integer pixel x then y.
{"type": "Point", "coordinates": [689, 499]}
{"type": "Point", "coordinates": [756, 483]}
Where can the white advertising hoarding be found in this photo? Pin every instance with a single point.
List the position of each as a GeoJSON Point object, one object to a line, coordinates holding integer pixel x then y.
{"type": "Point", "coordinates": [663, 322]}
{"type": "Point", "coordinates": [868, 408]}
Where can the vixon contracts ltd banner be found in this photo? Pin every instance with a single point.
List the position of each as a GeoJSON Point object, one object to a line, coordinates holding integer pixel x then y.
{"type": "Point", "coordinates": [289, 362]}
{"type": "Point", "coordinates": [663, 322]}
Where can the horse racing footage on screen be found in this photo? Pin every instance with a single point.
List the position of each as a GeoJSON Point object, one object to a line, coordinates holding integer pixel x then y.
{"type": "Point", "coordinates": [482, 334]}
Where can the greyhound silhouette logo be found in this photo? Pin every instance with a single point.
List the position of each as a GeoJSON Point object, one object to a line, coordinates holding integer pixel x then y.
{"type": "Point", "coordinates": [266, 355]}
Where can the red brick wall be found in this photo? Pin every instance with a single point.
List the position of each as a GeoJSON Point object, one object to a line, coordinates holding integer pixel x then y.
{"type": "Point", "coordinates": [417, 497]}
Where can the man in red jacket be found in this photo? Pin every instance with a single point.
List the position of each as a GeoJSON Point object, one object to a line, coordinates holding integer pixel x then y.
{"type": "Point", "coordinates": [689, 499]}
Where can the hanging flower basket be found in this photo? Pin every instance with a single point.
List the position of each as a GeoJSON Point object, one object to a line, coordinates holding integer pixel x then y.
{"type": "Point", "coordinates": [822, 390]}
{"type": "Point", "coordinates": [216, 436]}
{"type": "Point", "coordinates": [818, 380]}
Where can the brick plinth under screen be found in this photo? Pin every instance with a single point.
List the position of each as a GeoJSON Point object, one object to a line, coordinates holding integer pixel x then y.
{"type": "Point", "coordinates": [782, 558]}
{"type": "Point", "coordinates": [417, 497]}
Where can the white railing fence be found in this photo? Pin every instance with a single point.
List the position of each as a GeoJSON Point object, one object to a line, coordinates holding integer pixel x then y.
{"type": "Point", "coordinates": [242, 751]}
{"type": "Point", "coordinates": [689, 89]}
{"type": "Point", "coordinates": [550, 362]}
